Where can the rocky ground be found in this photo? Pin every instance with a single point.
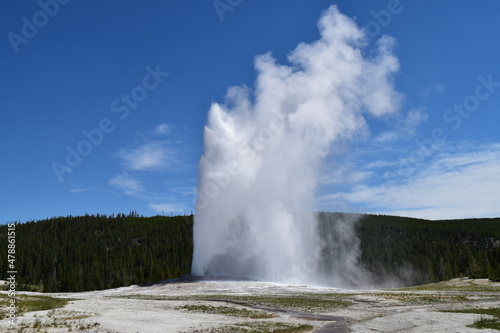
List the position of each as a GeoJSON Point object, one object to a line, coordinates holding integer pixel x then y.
{"type": "Point", "coordinates": [217, 306]}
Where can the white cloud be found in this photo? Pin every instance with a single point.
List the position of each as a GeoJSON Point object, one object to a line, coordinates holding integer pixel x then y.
{"type": "Point", "coordinates": [460, 184]}
{"type": "Point", "coordinates": [164, 129]}
{"type": "Point", "coordinates": [155, 151]}
{"type": "Point", "coordinates": [127, 183]}
{"type": "Point", "coordinates": [414, 119]}
{"type": "Point", "coordinates": [155, 155]}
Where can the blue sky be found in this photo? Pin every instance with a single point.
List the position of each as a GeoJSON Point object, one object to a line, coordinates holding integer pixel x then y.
{"type": "Point", "coordinates": [104, 103]}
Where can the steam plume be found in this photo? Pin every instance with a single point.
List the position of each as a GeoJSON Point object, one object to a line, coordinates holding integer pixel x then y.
{"type": "Point", "coordinates": [259, 171]}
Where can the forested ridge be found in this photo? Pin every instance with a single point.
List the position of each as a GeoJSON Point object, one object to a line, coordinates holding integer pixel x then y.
{"type": "Point", "coordinates": [421, 251]}
{"type": "Point", "coordinates": [78, 253]}
{"type": "Point", "coordinates": [91, 252]}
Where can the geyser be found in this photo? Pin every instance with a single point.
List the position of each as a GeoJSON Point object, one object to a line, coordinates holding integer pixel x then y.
{"type": "Point", "coordinates": [263, 148]}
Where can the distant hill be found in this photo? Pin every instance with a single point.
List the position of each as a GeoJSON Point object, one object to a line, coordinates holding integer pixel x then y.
{"type": "Point", "coordinates": [78, 253]}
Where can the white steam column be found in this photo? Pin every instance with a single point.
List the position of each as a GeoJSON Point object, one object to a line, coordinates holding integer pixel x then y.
{"type": "Point", "coordinates": [259, 170]}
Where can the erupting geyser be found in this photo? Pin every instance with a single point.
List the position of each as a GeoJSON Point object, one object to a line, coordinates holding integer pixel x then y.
{"type": "Point", "coordinates": [259, 171]}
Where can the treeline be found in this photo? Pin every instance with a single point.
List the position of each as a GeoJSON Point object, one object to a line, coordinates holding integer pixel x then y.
{"type": "Point", "coordinates": [416, 251]}
{"type": "Point", "coordinates": [91, 252]}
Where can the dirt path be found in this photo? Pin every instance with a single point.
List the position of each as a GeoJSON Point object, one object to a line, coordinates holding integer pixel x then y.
{"type": "Point", "coordinates": [338, 325]}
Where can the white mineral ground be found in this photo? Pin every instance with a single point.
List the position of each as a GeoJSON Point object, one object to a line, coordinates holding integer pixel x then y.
{"type": "Point", "coordinates": [145, 309]}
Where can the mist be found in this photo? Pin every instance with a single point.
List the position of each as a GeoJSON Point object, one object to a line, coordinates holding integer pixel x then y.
{"type": "Point", "coordinates": [263, 149]}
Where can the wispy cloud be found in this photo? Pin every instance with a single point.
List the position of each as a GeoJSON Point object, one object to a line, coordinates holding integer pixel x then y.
{"type": "Point", "coordinates": [153, 168]}
{"type": "Point", "coordinates": [342, 175]}
{"type": "Point", "coordinates": [388, 136]}
{"type": "Point", "coordinates": [151, 156]}
{"type": "Point", "coordinates": [170, 207]}
{"type": "Point", "coordinates": [437, 88]}
{"type": "Point", "coordinates": [184, 190]}
{"type": "Point", "coordinates": [414, 119]}
{"type": "Point", "coordinates": [127, 183]}
{"type": "Point", "coordinates": [164, 129]}
{"type": "Point", "coordinates": [455, 184]}
{"type": "Point", "coordinates": [159, 149]}
{"type": "Point", "coordinates": [81, 190]}
{"type": "Point", "coordinates": [404, 128]}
